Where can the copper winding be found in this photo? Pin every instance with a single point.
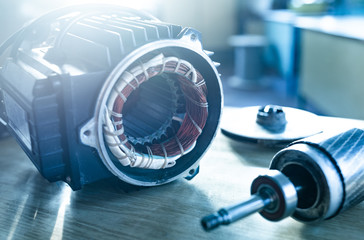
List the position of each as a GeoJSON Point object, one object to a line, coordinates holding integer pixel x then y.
{"type": "Point", "coordinates": [164, 154]}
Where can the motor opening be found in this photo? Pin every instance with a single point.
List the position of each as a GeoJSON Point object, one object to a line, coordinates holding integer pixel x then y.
{"type": "Point", "coordinates": [148, 112]}
{"type": "Point", "coordinates": [306, 186]}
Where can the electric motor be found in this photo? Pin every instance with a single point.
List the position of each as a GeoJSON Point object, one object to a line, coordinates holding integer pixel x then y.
{"type": "Point", "coordinates": [96, 91]}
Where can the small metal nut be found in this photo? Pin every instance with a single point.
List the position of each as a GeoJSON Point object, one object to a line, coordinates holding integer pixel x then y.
{"type": "Point", "coordinates": [272, 118]}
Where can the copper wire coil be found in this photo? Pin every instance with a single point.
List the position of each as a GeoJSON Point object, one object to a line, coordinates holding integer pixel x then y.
{"type": "Point", "coordinates": [195, 116]}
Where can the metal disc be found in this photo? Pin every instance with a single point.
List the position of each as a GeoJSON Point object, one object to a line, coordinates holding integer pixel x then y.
{"type": "Point", "coordinates": [240, 124]}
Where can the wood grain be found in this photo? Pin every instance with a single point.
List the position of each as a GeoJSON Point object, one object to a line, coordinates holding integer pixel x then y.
{"type": "Point", "coordinates": [32, 208]}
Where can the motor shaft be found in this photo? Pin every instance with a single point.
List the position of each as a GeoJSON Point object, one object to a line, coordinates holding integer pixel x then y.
{"type": "Point", "coordinates": [273, 195]}
{"type": "Point", "coordinates": [231, 214]}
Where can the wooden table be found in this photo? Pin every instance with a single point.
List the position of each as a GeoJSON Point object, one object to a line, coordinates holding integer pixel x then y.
{"type": "Point", "coordinates": [32, 208]}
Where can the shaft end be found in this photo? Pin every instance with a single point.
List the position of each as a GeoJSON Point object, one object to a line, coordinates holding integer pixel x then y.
{"type": "Point", "coordinates": [211, 222]}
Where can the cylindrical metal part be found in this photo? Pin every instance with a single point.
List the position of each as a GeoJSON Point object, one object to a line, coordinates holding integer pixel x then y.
{"type": "Point", "coordinates": [231, 214]}
{"type": "Point", "coordinates": [244, 209]}
{"type": "Point", "coordinates": [280, 190]}
{"type": "Point", "coordinates": [273, 195]}
{"type": "Point", "coordinates": [311, 180]}
{"type": "Point", "coordinates": [330, 170]}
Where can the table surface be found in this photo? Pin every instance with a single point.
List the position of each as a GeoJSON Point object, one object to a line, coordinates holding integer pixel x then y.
{"type": "Point", "coordinates": [32, 208]}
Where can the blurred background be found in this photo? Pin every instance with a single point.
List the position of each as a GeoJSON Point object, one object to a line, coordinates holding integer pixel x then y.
{"type": "Point", "coordinates": [299, 53]}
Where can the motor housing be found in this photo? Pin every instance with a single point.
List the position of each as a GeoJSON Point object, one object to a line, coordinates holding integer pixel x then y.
{"type": "Point", "coordinates": [65, 76]}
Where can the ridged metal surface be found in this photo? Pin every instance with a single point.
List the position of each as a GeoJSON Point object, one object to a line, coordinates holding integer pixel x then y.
{"type": "Point", "coordinates": [347, 152]}
{"type": "Point", "coordinates": [112, 36]}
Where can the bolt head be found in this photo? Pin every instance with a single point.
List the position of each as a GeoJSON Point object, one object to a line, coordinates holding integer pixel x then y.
{"type": "Point", "coordinates": [272, 118]}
